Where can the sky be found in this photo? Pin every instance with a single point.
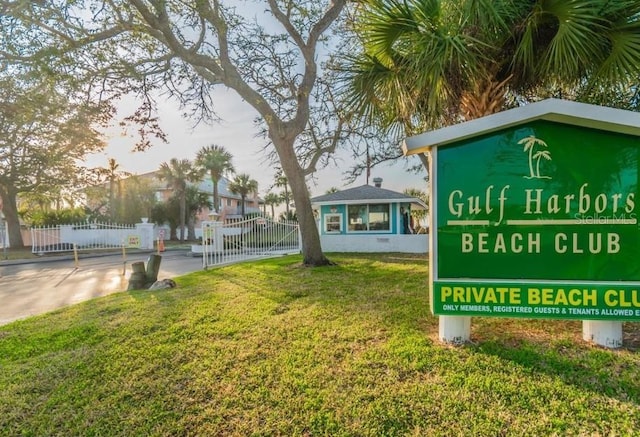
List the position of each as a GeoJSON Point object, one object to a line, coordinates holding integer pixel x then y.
{"type": "Point", "coordinates": [236, 132]}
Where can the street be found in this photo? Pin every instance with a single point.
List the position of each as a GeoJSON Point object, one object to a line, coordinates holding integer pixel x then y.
{"type": "Point", "coordinates": [37, 287]}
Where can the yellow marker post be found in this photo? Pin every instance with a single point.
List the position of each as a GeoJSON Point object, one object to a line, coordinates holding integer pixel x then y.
{"type": "Point", "coordinates": [75, 255]}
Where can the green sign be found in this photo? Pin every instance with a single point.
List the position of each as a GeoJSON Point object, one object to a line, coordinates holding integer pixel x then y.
{"type": "Point", "coordinates": [566, 300]}
{"type": "Point", "coordinates": [539, 220]}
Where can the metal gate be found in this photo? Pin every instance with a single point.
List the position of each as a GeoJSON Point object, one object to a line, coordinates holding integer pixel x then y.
{"type": "Point", "coordinates": [240, 240]}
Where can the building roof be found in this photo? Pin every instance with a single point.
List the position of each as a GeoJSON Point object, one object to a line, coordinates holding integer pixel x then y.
{"type": "Point", "coordinates": [562, 111]}
{"type": "Point", "coordinates": [366, 194]}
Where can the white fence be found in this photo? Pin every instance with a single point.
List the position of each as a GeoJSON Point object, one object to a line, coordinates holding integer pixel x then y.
{"type": "Point", "coordinates": [91, 236]}
{"type": "Point", "coordinates": [241, 240]}
{"type": "Point", "coordinates": [404, 243]}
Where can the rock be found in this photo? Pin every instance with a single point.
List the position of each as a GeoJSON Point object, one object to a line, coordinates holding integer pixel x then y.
{"type": "Point", "coordinates": [164, 284]}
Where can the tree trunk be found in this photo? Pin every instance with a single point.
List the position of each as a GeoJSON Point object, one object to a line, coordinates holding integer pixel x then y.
{"type": "Point", "coordinates": [112, 207]}
{"type": "Point", "coordinates": [10, 211]}
{"type": "Point", "coordinates": [191, 228]}
{"type": "Point", "coordinates": [183, 211]}
{"type": "Point", "coordinates": [286, 198]}
{"type": "Point", "coordinates": [121, 207]}
{"type": "Point", "coordinates": [311, 248]}
{"type": "Point", "coordinates": [216, 201]}
{"type": "Point", "coordinates": [487, 98]}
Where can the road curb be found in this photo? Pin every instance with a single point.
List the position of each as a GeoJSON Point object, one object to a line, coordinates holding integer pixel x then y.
{"type": "Point", "coordinates": [53, 258]}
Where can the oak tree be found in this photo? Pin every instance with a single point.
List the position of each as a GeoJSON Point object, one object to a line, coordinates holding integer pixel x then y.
{"type": "Point", "coordinates": [269, 52]}
{"type": "Point", "coordinates": [44, 135]}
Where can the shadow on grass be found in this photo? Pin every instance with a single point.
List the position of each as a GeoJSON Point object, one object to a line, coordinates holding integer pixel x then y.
{"type": "Point", "coordinates": [382, 285]}
{"type": "Point", "coordinates": [387, 289]}
{"type": "Point", "coordinates": [556, 348]}
{"type": "Point", "coordinates": [593, 370]}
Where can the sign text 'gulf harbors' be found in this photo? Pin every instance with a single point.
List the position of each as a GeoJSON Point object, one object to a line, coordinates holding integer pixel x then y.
{"type": "Point", "coordinates": [540, 208]}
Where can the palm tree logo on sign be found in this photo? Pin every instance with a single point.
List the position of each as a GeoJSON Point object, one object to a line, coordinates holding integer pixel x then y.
{"type": "Point", "coordinates": [531, 143]}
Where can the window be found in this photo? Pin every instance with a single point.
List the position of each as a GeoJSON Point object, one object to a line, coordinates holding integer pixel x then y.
{"type": "Point", "coordinates": [374, 217]}
{"type": "Point", "coordinates": [358, 218]}
{"type": "Point", "coordinates": [332, 223]}
{"type": "Point", "coordinates": [229, 203]}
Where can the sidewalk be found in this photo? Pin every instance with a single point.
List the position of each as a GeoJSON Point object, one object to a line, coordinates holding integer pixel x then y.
{"type": "Point", "coordinates": [35, 286]}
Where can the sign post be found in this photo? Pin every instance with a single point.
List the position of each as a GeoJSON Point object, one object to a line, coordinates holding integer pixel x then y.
{"type": "Point", "coordinates": [535, 215]}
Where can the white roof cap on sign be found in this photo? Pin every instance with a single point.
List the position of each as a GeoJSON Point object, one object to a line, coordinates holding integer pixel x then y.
{"type": "Point", "coordinates": [562, 111]}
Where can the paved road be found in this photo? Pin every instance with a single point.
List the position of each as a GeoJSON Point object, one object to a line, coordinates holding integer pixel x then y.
{"type": "Point", "coordinates": [37, 287]}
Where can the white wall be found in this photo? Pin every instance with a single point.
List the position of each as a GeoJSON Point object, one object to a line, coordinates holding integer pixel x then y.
{"type": "Point", "coordinates": [375, 243]}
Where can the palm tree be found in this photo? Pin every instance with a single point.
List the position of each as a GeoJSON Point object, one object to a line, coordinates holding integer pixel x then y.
{"type": "Point", "coordinates": [113, 175]}
{"type": "Point", "coordinates": [429, 63]}
{"type": "Point", "coordinates": [273, 200]}
{"type": "Point", "coordinates": [178, 173]}
{"type": "Point", "coordinates": [217, 161]}
{"type": "Point", "coordinates": [243, 185]}
{"type": "Point", "coordinates": [282, 181]}
{"type": "Point", "coordinates": [419, 215]}
{"type": "Point", "coordinates": [541, 154]}
{"type": "Point", "coordinates": [285, 197]}
{"type": "Point", "coordinates": [196, 201]}
{"type": "Point", "coordinates": [530, 143]}
{"type": "Point", "coordinates": [163, 212]}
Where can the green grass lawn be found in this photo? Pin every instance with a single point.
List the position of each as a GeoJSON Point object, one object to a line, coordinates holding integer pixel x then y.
{"type": "Point", "coordinates": [273, 348]}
